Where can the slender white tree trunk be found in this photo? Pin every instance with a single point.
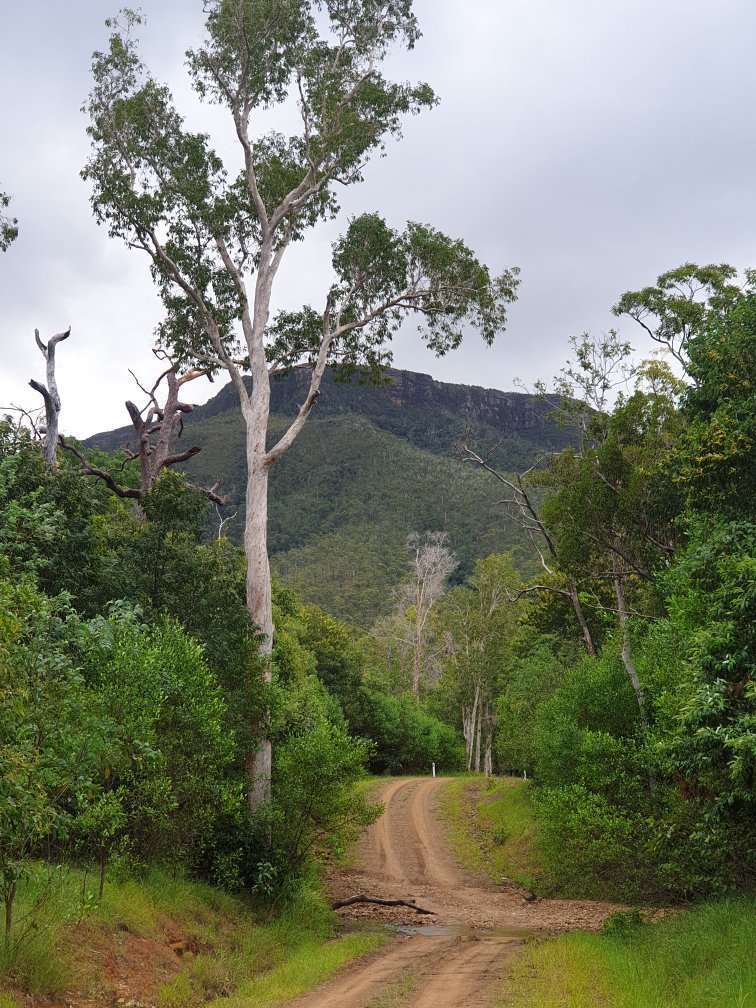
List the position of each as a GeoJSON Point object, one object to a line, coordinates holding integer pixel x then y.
{"type": "Point", "coordinates": [416, 660]}
{"type": "Point", "coordinates": [472, 724]}
{"type": "Point", "coordinates": [49, 393]}
{"type": "Point", "coordinates": [259, 599]}
{"type": "Point", "coordinates": [580, 616]}
{"type": "Point", "coordinates": [466, 730]}
{"type": "Point", "coordinates": [627, 661]}
{"type": "Point", "coordinates": [488, 760]}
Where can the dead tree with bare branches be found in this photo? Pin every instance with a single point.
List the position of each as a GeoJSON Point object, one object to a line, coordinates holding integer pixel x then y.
{"type": "Point", "coordinates": [431, 564]}
{"type": "Point", "coordinates": [49, 393]}
{"type": "Point", "coordinates": [155, 428]}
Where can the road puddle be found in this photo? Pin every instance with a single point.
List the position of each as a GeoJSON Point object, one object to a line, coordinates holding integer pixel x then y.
{"type": "Point", "coordinates": [463, 931]}
{"type": "Point", "coordinates": [440, 930]}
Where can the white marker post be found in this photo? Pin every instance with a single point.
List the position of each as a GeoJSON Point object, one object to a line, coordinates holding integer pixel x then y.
{"type": "Point", "coordinates": [433, 769]}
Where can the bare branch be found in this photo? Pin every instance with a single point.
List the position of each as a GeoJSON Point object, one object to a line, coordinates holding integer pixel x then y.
{"type": "Point", "coordinates": [89, 470]}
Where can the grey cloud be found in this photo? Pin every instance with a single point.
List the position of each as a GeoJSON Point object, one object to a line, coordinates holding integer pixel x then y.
{"type": "Point", "coordinates": [594, 144]}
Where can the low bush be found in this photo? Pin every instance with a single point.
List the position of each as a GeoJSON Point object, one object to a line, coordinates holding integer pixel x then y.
{"type": "Point", "coordinates": [592, 848]}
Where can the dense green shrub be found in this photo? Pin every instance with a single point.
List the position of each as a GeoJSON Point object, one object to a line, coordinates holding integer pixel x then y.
{"type": "Point", "coordinates": [173, 753]}
{"type": "Point", "coordinates": [406, 739]}
{"type": "Point", "coordinates": [591, 847]}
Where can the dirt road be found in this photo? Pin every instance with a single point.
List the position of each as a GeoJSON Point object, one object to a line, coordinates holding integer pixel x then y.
{"type": "Point", "coordinates": [476, 926]}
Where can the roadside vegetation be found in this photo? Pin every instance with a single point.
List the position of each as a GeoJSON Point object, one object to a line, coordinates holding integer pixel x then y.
{"type": "Point", "coordinates": [689, 958]}
{"type": "Point", "coordinates": [167, 940]}
{"type": "Point", "coordinates": [493, 831]}
{"type": "Point", "coordinates": [694, 959]}
{"type": "Point", "coordinates": [168, 714]}
{"type": "Point", "coordinates": [130, 683]}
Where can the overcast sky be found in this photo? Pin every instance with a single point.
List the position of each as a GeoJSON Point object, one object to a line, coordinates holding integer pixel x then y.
{"type": "Point", "coordinates": [593, 143]}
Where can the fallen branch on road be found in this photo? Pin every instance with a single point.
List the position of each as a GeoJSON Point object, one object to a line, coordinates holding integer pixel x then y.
{"type": "Point", "coordinates": [362, 898]}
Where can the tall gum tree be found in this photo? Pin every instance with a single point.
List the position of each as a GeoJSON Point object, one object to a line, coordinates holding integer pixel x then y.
{"type": "Point", "coordinates": [215, 236]}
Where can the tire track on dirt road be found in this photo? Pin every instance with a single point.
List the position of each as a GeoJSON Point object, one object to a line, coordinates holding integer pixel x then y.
{"type": "Point", "coordinates": [477, 925]}
{"type": "Point", "coordinates": [443, 973]}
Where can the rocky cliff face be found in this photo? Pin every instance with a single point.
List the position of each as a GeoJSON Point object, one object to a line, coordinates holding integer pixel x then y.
{"type": "Point", "coordinates": [430, 414]}
{"type": "Point", "coordinates": [410, 390]}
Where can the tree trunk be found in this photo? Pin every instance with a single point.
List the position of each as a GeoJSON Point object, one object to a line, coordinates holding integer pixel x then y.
{"type": "Point", "coordinates": [477, 743]}
{"type": "Point", "coordinates": [627, 661]}
{"type": "Point", "coordinates": [466, 730]}
{"type": "Point", "coordinates": [416, 660]}
{"type": "Point", "coordinates": [578, 610]}
{"type": "Point", "coordinates": [49, 393]}
{"type": "Point", "coordinates": [472, 724]}
{"type": "Point", "coordinates": [258, 764]}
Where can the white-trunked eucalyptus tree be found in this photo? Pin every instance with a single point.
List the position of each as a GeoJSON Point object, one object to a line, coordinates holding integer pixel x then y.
{"type": "Point", "coordinates": [216, 236]}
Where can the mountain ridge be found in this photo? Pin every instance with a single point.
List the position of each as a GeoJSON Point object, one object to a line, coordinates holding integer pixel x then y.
{"type": "Point", "coordinates": [503, 411]}
{"type": "Point", "coordinates": [372, 464]}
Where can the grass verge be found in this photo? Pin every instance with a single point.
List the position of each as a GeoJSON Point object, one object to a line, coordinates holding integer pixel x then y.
{"type": "Point", "coordinates": [166, 941]}
{"type": "Point", "coordinates": [698, 959]}
{"type": "Point", "coordinates": [492, 830]}
{"type": "Point", "coordinates": [303, 967]}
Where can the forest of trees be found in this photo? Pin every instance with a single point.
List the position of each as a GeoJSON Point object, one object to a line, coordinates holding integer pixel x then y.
{"type": "Point", "coordinates": [129, 659]}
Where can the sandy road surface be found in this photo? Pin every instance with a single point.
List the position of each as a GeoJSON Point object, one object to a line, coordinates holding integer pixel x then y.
{"type": "Point", "coordinates": [419, 972]}
{"type": "Point", "coordinates": [404, 855]}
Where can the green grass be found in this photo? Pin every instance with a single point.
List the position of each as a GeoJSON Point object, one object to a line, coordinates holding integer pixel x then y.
{"type": "Point", "coordinates": [370, 785]}
{"type": "Point", "coordinates": [303, 968]}
{"type": "Point", "coordinates": [35, 957]}
{"type": "Point", "coordinates": [53, 901]}
{"type": "Point", "coordinates": [137, 905]}
{"type": "Point", "coordinates": [262, 963]}
{"type": "Point", "coordinates": [397, 993]}
{"type": "Point", "coordinates": [700, 959]}
{"type": "Point", "coordinates": [492, 831]}
{"type": "Point", "coordinates": [253, 958]}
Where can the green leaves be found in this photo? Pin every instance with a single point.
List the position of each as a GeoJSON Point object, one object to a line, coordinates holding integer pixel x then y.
{"type": "Point", "coordinates": [164, 190]}
{"type": "Point", "coordinates": [50, 725]}
{"type": "Point", "coordinates": [384, 276]}
{"type": "Point", "coordinates": [8, 225]}
{"type": "Point", "coordinates": [716, 467]}
{"type": "Point", "coordinates": [251, 51]}
{"type": "Point", "coordinates": [680, 304]}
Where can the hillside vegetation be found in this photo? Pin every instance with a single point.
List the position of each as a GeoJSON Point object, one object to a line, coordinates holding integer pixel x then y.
{"type": "Point", "coordinates": [373, 464]}
{"type": "Point", "coordinates": [164, 941]}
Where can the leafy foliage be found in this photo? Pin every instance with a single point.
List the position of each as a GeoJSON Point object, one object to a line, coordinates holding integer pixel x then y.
{"type": "Point", "coordinates": [8, 225]}
{"type": "Point", "coordinates": [123, 722]}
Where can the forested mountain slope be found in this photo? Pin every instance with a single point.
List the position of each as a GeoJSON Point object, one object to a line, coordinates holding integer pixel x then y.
{"type": "Point", "coordinates": [373, 464]}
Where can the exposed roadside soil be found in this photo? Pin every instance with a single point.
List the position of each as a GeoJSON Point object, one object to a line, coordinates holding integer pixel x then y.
{"type": "Point", "coordinates": [404, 856]}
